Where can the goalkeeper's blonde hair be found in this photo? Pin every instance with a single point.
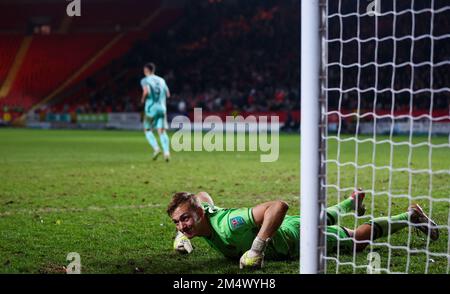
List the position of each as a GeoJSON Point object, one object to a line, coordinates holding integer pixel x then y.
{"type": "Point", "coordinates": [180, 198]}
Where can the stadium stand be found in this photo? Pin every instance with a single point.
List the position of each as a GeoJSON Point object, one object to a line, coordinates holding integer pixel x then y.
{"type": "Point", "coordinates": [16, 16]}
{"type": "Point", "coordinates": [220, 56]}
{"type": "Point", "coordinates": [9, 47]}
{"type": "Point", "coordinates": [199, 75]}
{"type": "Point", "coordinates": [51, 60]}
{"type": "Point", "coordinates": [114, 14]}
{"type": "Point", "coordinates": [61, 53]}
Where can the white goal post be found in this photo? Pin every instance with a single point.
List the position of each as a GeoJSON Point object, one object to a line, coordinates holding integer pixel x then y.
{"type": "Point", "coordinates": [375, 114]}
{"type": "Point", "coordinates": [311, 241]}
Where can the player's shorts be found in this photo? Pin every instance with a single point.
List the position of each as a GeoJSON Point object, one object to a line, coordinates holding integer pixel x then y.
{"type": "Point", "coordinates": [285, 242]}
{"type": "Point", "coordinates": [155, 117]}
{"type": "Point", "coordinates": [338, 236]}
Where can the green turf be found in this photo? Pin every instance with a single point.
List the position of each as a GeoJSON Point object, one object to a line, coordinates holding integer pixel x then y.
{"type": "Point", "coordinates": [99, 193]}
{"type": "Point", "coordinates": [425, 188]}
{"type": "Point", "coordinates": [110, 199]}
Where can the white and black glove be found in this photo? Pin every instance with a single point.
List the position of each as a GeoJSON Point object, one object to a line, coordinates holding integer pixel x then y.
{"type": "Point", "coordinates": [254, 258]}
{"type": "Point", "coordinates": [181, 244]}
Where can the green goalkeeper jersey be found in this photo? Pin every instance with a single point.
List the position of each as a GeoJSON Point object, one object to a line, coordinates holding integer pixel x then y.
{"type": "Point", "coordinates": [233, 232]}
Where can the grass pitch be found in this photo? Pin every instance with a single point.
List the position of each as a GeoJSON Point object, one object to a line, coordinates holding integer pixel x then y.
{"type": "Point", "coordinates": [98, 193]}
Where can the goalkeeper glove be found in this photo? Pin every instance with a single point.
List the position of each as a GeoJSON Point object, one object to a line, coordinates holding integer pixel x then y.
{"type": "Point", "coordinates": [181, 244]}
{"type": "Point", "coordinates": [254, 258]}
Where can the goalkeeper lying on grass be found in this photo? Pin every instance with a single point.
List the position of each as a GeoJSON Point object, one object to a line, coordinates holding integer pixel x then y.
{"type": "Point", "coordinates": [265, 231]}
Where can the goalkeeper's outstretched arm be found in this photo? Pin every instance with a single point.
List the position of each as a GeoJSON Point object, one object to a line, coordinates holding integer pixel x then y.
{"type": "Point", "coordinates": [269, 217]}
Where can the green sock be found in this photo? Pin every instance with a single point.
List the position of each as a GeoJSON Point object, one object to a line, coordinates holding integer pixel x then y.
{"type": "Point", "coordinates": [381, 224]}
{"type": "Point", "coordinates": [333, 211]}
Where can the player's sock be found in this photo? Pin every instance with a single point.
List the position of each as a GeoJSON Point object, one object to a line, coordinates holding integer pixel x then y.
{"type": "Point", "coordinates": [152, 140]}
{"type": "Point", "coordinates": [164, 142]}
{"type": "Point", "coordinates": [396, 222]}
{"type": "Point", "coordinates": [334, 211]}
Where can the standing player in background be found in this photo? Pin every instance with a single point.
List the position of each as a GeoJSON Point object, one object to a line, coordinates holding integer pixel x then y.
{"type": "Point", "coordinates": [154, 94]}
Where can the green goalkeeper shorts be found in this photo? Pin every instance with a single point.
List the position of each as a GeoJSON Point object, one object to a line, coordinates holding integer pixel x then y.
{"type": "Point", "coordinates": [338, 236]}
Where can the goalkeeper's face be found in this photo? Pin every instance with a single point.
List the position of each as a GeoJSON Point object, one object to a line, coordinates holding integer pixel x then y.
{"type": "Point", "coordinates": [187, 220]}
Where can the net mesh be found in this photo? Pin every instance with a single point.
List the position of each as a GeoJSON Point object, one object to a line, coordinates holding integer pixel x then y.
{"type": "Point", "coordinates": [387, 87]}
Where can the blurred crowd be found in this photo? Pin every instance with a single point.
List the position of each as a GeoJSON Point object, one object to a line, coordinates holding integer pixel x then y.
{"type": "Point", "coordinates": [230, 55]}
{"type": "Point", "coordinates": [390, 62]}
{"type": "Point", "coordinates": [221, 56]}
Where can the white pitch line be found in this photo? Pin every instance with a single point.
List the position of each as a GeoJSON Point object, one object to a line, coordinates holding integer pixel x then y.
{"type": "Point", "coordinates": [67, 210]}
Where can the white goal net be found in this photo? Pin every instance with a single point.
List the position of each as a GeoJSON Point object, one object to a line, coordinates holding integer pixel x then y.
{"type": "Point", "coordinates": [386, 78]}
